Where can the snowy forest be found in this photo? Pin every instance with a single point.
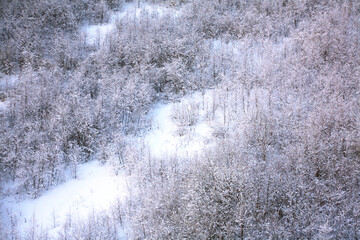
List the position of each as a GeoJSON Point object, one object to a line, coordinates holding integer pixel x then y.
{"type": "Point", "coordinates": [179, 119]}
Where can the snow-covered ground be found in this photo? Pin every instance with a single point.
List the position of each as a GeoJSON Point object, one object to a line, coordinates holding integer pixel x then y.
{"type": "Point", "coordinates": [182, 137]}
{"type": "Point", "coordinates": [95, 189]}
{"type": "Point", "coordinates": [3, 105]}
{"type": "Point", "coordinates": [8, 81]}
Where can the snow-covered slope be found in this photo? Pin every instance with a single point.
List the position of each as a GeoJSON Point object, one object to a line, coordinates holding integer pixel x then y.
{"type": "Point", "coordinates": [95, 189]}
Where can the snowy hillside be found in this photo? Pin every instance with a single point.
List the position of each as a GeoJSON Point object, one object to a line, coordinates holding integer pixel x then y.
{"type": "Point", "coordinates": [179, 119]}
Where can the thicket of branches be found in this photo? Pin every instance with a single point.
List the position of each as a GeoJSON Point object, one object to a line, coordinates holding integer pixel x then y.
{"type": "Point", "coordinates": [287, 160]}
{"type": "Point", "coordinates": [288, 164]}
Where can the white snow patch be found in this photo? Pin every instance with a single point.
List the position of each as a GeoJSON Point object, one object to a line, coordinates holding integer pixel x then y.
{"type": "Point", "coordinates": [3, 106]}
{"type": "Point", "coordinates": [161, 140]}
{"type": "Point", "coordinates": [95, 189]}
{"type": "Point", "coordinates": [168, 138]}
{"type": "Point", "coordinates": [8, 81]}
{"type": "Point", "coordinates": [97, 34]}
{"type": "Point", "coordinates": [233, 47]}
